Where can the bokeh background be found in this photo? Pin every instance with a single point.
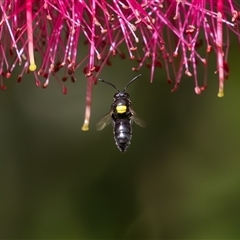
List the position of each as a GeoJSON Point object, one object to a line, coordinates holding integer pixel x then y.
{"type": "Point", "coordinates": [179, 178]}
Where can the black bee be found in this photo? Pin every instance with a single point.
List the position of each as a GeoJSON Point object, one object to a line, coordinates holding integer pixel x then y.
{"type": "Point", "coordinates": [121, 116]}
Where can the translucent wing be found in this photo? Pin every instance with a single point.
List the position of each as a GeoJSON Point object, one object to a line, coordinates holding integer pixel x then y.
{"type": "Point", "coordinates": [137, 120]}
{"type": "Point", "coordinates": [104, 121]}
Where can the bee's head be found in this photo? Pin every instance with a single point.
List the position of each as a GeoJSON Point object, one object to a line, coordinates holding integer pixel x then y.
{"type": "Point", "coordinates": [121, 94]}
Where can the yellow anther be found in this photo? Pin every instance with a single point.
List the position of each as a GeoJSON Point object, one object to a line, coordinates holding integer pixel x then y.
{"type": "Point", "coordinates": [32, 67]}
{"type": "Point", "coordinates": [221, 93]}
{"type": "Point", "coordinates": [85, 126]}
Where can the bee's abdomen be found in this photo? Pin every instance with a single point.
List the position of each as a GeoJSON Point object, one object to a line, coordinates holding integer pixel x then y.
{"type": "Point", "coordinates": [122, 133]}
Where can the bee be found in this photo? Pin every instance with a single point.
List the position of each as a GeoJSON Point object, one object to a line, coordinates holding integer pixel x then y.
{"type": "Point", "coordinates": [121, 116]}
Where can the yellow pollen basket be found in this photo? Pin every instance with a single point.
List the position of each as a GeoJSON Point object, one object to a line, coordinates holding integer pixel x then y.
{"type": "Point", "coordinates": [121, 109]}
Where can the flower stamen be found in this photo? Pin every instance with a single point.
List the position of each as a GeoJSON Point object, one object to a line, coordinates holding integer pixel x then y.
{"type": "Point", "coordinates": [85, 126]}
{"type": "Point", "coordinates": [220, 54]}
{"type": "Point", "coordinates": [32, 66]}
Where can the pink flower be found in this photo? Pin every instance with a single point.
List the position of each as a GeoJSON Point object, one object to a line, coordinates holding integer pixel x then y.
{"type": "Point", "coordinates": [45, 37]}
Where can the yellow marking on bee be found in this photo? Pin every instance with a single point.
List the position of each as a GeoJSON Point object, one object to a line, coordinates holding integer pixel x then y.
{"type": "Point", "coordinates": [121, 109]}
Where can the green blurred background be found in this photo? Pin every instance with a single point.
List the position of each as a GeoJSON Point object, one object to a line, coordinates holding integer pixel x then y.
{"type": "Point", "coordinates": [179, 178]}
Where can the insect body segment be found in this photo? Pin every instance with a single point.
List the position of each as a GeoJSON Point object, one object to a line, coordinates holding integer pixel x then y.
{"type": "Point", "coordinates": [121, 109]}
{"type": "Point", "coordinates": [121, 116]}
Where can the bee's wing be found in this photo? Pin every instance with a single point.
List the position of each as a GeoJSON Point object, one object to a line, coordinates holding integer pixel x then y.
{"type": "Point", "coordinates": [104, 121]}
{"type": "Point", "coordinates": [137, 120]}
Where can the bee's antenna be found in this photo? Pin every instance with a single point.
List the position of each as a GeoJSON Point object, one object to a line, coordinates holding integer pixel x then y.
{"type": "Point", "coordinates": [101, 80]}
{"type": "Point", "coordinates": [135, 78]}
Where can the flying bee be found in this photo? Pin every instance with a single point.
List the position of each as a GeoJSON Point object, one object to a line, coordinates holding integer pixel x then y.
{"type": "Point", "coordinates": [121, 116]}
